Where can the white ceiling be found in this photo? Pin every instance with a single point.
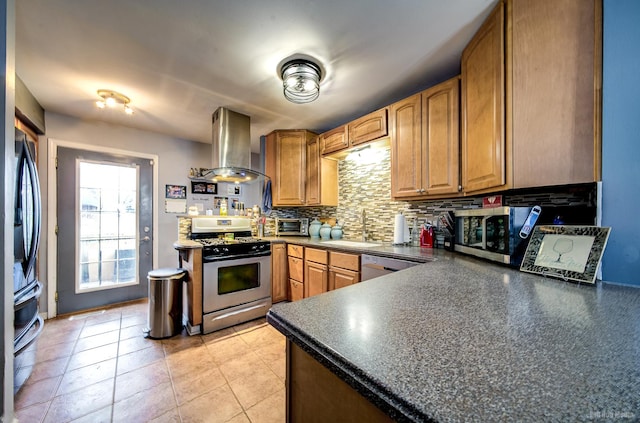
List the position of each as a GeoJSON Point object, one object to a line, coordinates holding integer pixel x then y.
{"type": "Point", "coordinates": [178, 61]}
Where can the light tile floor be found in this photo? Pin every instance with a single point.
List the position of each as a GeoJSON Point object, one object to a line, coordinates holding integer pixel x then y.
{"type": "Point", "coordinates": [98, 367]}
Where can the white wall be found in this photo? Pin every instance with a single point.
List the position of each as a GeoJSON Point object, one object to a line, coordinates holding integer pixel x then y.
{"type": "Point", "coordinates": [175, 157]}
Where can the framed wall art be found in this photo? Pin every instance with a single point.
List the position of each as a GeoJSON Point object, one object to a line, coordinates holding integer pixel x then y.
{"type": "Point", "coordinates": [566, 252]}
{"type": "Point", "coordinates": [175, 191]}
{"type": "Point", "coordinates": [199, 187]}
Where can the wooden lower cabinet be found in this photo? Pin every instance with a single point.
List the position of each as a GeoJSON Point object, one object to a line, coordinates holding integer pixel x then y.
{"type": "Point", "coordinates": [315, 394]}
{"type": "Point", "coordinates": [296, 290]}
{"type": "Point", "coordinates": [295, 260]}
{"type": "Point", "coordinates": [316, 272]}
{"type": "Point", "coordinates": [339, 278]}
{"type": "Point", "coordinates": [279, 279]}
{"type": "Point", "coordinates": [344, 269]}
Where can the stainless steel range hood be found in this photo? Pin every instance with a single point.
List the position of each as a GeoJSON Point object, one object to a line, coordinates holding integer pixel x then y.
{"type": "Point", "coordinates": [231, 149]}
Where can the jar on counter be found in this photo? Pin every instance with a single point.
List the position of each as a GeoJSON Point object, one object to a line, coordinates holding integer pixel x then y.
{"type": "Point", "coordinates": [336, 231]}
{"type": "Point", "coordinates": [223, 208]}
{"type": "Point", "coordinates": [325, 231]}
{"type": "Point", "coordinates": [314, 228]}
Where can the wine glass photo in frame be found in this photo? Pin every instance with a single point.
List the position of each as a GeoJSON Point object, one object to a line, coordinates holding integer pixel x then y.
{"type": "Point", "coordinates": [565, 252]}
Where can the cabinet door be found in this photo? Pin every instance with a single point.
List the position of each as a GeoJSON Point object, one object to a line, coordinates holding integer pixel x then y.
{"type": "Point", "coordinates": [406, 148]}
{"type": "Point", "coordinates": [334, 140]}
{"type": "Point", "coordinates": [313, 171]}
{"type": "Point", "coordinates": [315, 278]}
{"type": "Point", "coordinates": [556, 77]}
{"type": "Point", "coordinates": [296, 290]}
{"type": "Point", "coordinates": [368, 127]}
{"type": "Point", "coordinates": [483, 122]}
{"type": "Point", "coordinates": [339, 278]}
{"type": "Point", "coordinates": [278, 272]}
{"type": "Point", "coordinates": [286, 163]}
{"type": "Point", "coordinates": [441, 137]}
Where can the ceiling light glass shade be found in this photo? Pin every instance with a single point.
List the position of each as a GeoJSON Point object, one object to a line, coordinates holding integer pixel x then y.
{"type": "Point", "coordinates": [301, 81]}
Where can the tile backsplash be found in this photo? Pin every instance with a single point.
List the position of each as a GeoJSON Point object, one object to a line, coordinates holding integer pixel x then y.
{"type": "Point", "coordinates": [367, 186]}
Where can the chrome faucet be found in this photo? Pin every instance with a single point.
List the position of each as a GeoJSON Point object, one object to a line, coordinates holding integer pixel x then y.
{"type": "Point", "coordinates": [364, 225]}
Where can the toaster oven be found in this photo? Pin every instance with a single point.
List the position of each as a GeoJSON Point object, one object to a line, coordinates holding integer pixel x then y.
{"type": "Point", "coordinates": [292, 226]}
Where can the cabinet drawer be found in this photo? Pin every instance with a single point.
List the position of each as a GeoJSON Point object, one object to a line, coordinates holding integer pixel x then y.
{"type": "Point", "coordinates": [295, 251]}
{"type": "Point", "coordinates": [316, 256]}
{"type": "Point", "coordinates": [296, 268]}
{"type": "Point", "coordinates": [344, 261]}
{"type": "Point", "coordinates": [296, 290]}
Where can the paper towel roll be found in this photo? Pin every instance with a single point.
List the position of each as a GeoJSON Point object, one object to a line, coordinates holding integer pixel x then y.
{"type": "Point", "coordinates": [399, 226]}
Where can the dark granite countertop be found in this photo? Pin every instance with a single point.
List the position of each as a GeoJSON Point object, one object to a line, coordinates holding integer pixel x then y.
{"type": "Point", "coordinates": [459, 339]}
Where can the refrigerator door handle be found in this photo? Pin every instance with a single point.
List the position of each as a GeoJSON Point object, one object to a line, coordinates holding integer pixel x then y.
{"type": "Point", "coordinates": [21, 342]}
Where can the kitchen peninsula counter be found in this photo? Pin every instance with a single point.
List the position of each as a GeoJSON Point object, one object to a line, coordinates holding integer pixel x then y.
{"type": "Point", "coordinates": [459, 339]}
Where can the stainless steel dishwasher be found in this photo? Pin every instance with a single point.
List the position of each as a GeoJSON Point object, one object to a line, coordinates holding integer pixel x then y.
{"type": "Point", "coordinates": [374, 266]}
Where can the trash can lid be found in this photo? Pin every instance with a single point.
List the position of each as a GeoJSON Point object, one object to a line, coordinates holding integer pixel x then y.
{"type": "Point", "coordinates": [167, 272]}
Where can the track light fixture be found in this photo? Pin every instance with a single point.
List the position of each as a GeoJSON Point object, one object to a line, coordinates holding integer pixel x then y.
{"type": "Point", "coordinates": [112, 99]}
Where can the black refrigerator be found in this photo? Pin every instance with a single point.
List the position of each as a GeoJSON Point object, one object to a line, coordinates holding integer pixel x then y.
{"type": "Point", "coordinates": [26, 234]}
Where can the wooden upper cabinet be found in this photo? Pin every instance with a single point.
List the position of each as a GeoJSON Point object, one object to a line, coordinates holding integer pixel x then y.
{"type": "Point", "coordinates": [483, 107]}
{"type": "Point", "coordinates": [313, 171]}
{"type": "Point", "coordinates": [441, 138]}
{"type": "Point", "coordinates": [322, 177]}
{"type": "Point", "coordinates": [286, 164]}
{"type": "Point", "coordinates": [365, 129]}
{"type": "Point", "coordinates": [299, 175]}
{"type": "Point", "coordinates": [334, 140]}
{"type": "Point", "coordinates": [426, 143]}
{"type": "Point", "coordinates": [406, 147]}
{"type": "Point", "coordinates": [556, 70]}
{"type": "Point", "coordinates": [368, 128]}
{"type": "Point", "coordinates": [531, 96]}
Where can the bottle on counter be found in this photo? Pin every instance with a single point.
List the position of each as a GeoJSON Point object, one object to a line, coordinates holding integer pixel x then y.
{"type": "Point", "coordinates": [415, 233]}
{"type": "Point", "coordinates": [223, 208]}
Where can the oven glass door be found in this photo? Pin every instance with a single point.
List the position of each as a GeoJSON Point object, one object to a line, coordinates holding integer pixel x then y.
{"type": "Point", "coordinates": [238, 278]}
{"type": "Point", "coordinates": [229, 283]}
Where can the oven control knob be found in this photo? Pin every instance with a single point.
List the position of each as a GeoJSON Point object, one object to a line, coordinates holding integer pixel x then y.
{"type": "Point", "coordinates": [216, 250]}
{"type": "Point", "coordinates": [225, 249]}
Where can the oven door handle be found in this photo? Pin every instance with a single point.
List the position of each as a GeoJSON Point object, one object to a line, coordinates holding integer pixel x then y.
{"type": "Point", "coordinates": [233, 313]}
{"type": "Point", "coordinates": [211, 259]}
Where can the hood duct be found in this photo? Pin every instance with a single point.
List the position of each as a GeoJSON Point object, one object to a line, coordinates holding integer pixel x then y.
{"type": "Point", "coordinates": [231, 149]}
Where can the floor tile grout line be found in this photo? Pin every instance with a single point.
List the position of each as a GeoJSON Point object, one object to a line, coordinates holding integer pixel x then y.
{"type": "Point", "coordinates": [66, 367]}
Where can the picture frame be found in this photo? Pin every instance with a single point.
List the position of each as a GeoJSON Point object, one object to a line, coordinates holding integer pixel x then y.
{"type": "Point", "coordinates": [178, 192]}
{"type": "Point", "coordinates": [566, 252]}
{"type": "Point", "coordinates": [201, 187]}
{"type": "Point", "coordinates": [233, 190]}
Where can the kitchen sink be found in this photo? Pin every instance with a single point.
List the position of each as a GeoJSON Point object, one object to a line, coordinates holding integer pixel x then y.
{"type": "Point", "coordinates": [345, 243]}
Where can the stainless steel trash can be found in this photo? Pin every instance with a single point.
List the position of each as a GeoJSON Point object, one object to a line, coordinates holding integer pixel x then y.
{"type": "Point", "coordinates": [165, 302]}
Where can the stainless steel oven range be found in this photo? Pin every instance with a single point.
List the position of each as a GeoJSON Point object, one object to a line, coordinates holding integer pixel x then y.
{"type": "Point", "coordinates": [236, 271]}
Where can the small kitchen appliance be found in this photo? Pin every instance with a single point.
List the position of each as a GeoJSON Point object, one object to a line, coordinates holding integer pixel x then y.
{"type": "Point", "coordinates": [236, 272]}
{"type": "Point", "coordinates": [499, 233]}
{"type": "Point", "coordinates": [292, 226]}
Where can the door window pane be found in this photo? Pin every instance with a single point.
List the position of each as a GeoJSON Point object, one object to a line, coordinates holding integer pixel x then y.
{"type": "Point", "coordinates": [107, 244]}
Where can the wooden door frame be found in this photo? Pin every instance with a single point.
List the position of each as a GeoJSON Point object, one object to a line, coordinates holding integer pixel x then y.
{"type": "Point", "coordinates": [52, 214]}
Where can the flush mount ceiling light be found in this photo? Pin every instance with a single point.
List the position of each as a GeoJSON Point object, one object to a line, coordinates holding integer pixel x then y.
{"type": "Point", "coordinates": [301, 80]}
{"type": "Point", "coordinates": [113, 99]}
